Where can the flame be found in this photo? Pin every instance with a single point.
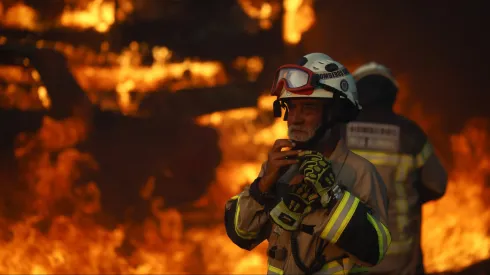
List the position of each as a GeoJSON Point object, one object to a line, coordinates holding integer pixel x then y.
{"type": "Point", "coordinates": [19, 16]}
{"type": "Point", "coordinates": [264, 13]}
{"type": "Point", "coordinates": [126, 74]}
{"type": "Point", "coordinates": [455, 228]}
{"type": "Point", "coordinates": [99, 15]}
{"type": "Point", "coordinates": [299, 16]}
{"type": "Point", "coordinates": [43, 96]}
{"type": "Point", "coordinates": [66, 239]}
{"type": "Point", "coordinates": [253, 66]}
{"type": "Point", "coordinates": [454, 234]}
{"type": "Point", "coordinates": [16, 94]}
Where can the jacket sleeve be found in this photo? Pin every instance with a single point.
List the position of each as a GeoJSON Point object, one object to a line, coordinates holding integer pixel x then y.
{"type": "Point", "coordinates": [246, 220]}
{"type": "Point", "coordinates": [432, 175]}
{"type": "Point", "coordinates": [357, 221]}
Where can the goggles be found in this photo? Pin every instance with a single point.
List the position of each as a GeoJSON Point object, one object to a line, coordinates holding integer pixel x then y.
{"type": "Point", "coordinates": [299, 80]}
{"type": "Point", "coordinates": [296, 79]}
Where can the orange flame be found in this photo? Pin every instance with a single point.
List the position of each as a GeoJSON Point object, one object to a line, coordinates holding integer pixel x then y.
{"type": "Point", "coordinates": [99, 15]}
{"type": "Point", "coordinates": [455, 232]}
{"type": "Point", "coordinates": [455, 228]}
{"type": "Point", "coordinates": [264, 13]}
{"type": "Point", "coordinates": [299, 16]}
{"type": "Point", "coordinates": [19, 16]}
{"type": "Point", "coordinates": [125, 73]}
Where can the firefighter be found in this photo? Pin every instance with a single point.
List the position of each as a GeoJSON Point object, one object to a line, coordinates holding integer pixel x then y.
{"type": "Point", "coordinates": [321, 207]}
{"type": "Point", "coordinates": [406, 161]}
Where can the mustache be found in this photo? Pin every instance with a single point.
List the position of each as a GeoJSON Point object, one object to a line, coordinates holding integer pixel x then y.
{"type": "Point", "coordinates": [298, 128]}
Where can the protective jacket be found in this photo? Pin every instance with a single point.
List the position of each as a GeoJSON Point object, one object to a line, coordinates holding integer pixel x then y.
{"type": "Point", "coordinates": [413, 175]}
{"type": "Point", "coordinates": [341, 240]}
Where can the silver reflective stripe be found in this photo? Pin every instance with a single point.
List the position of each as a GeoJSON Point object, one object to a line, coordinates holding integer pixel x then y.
{"type": "Point", "coordinates": [340, 218]}
{"type": "Point", "coordinates": [331, 268]}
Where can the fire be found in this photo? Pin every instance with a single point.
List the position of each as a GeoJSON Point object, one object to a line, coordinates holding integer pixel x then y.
{"type": "Point", "coordinates": [262, 11]}
{"type": "Point", "coordinates": [129, 75]}
{"type": "Point", "coordinates": [126, 74]}
{"type": "Point", "coordinates": [19, 16]}
{"type": "Point", "coordinates": [253, 66]}
{"type": "Point", "coordinates": [455, 228]}
{"type": "Point", "coordinates": [299, 16]}
{"type": "Point", "coordinates": [66, 239]}
{"type": "Point", "coordinates": [99, 15]}
{"type": "Point", "coordinates": [454, 233]}
{"type": "Point", "coordinates": [55, 246]}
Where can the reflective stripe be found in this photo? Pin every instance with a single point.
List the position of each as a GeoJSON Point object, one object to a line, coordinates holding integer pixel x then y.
{"type": "Point", "coordinates": [242, 234]}
{"type": "Point", "coordinates": [384, 238]}
{"type": "Point", "coordinates": [382, 158]}
{"type": "Point", "coordinates": [272, 270]}
{"type": "Point", "coordinates": [340, 217]}
{"type": "Point", "coordinates": [424, 154]}
{"type": "Point", "coordinates": [348, 266]}
{"type": "Point", "coordinates": [400, 247]}
{"type": "Point", "coordinates": [401, 201]}
{"type": "Point", "coordinates": [331, 268]}
{"type": "Point", "coordinates": [403, 163]}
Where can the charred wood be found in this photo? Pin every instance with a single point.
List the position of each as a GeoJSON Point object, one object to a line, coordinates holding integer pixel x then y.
{"type": "Point", "coordinates": [66, 95]}
{"type": "Point", "coordinates": [200, 101]}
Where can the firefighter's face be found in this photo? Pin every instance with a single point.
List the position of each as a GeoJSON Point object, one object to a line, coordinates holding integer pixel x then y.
{"type": "Point", "coordinates": [304, 118]}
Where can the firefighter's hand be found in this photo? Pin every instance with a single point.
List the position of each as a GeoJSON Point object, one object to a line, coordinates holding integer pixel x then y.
{"type": "Point", "coordinates": [296, 204]}
{"type": "Point", "coordinates": [275, 161]}
{"type": "Point", "coordinates": [317, 170]}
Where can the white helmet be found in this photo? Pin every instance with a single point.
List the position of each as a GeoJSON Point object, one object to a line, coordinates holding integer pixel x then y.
{"type": "Point", "coordinates": [316, 76]}
{"type": "Point", "coordinates": [373, 68]}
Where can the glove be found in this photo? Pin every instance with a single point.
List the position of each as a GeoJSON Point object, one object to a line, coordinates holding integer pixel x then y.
{"type": "Point", "coordinates": [318, 172]}
{"type": "Point", "coordinates": [296, 204]}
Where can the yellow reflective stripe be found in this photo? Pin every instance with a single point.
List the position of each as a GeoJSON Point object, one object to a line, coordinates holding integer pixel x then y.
{"type": "Point", "coordinates": [242, 234]}
{"type": "Point", "coordinates": [348, 266]}
{"type": "Point", "coordinates": [424, 154]}
{"type": "Point", "coordinates": [274, 270]}
{"type": "Point", "coordinates": [383, 158]}
{"type": "Point", "coordinates": [234, 197]}
{"type": "Point", "coordinates": [387, 233]}
{"type": "Point", "coordinates": [401, 201]}
{"type": "Point", "coordinates": [378, 158]}
{"type": "Point", "coordinates": [332, 268]}
{"type": "Point", "coordinates": [402, 163]}
{"type": "Point", "coordinates": [384, 238]}
{"type": "Point", "coordinates": [340, 217]}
